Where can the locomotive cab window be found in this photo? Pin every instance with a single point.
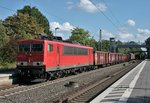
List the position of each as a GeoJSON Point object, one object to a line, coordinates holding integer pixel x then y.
{"type": "Point", "coordinates": [37, 47]}
{"type": "Point", "coordinates": [50, 47]}
{"type": "Point", "coordinates": [24, 47]}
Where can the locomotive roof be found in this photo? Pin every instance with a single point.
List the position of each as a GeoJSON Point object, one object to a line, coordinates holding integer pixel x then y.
{"type": "Point", "coordinates": [58, 42]}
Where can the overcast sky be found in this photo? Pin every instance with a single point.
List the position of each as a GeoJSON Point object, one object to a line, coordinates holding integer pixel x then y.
{"type": "Point", "coordinates": [125, 20]}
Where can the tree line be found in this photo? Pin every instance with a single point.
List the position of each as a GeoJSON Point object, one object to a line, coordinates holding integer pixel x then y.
{"type": "Point", "coordinates": [27, 23]}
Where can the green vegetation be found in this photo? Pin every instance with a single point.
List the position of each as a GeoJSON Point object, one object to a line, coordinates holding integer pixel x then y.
{"type": "Point", "coordinates": [128, 50]}
{"type": "Point", "coordinates": [27, 23]}
{"type": "Point", "coordinates": [105, 45]}
{"type": "Point", "coordinates": [147, 41]}
{"type": "Point", "coordinates": [3, 36]}
{"type": "Point", "coordinates": [148, 49]}
{"type": "Point", "coordinates": [41, 20]}
{"type": "Point", "coordinates": [83, 37]}
{"type": "Point", "coordinates": [6, 65]}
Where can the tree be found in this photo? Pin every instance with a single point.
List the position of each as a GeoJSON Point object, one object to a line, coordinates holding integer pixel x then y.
{"type": "Point", "coordinates": [3, 39]}
{"type": "Point", "coordinates": [22, 26]}
{"type": "Point", "coordinates": [39, 17]}
{"type": "Point", "coordinates": [27, 23]}
{"type": "Point", "coordinates": [93, 43]}
{"type": "Point", "coordinates": [148, 43]}
{"type": "Point", "coordinates": [105, 45]}
{"type": "Point", "coordinates": [3, 36]}
{"type": "Point", "coordinates": [8, 52]}
{"type": "Point", "coordinates": [81, 36]}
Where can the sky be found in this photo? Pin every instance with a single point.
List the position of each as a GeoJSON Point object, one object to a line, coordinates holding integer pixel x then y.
{"type": "Point", "coordinates": [125, 20]}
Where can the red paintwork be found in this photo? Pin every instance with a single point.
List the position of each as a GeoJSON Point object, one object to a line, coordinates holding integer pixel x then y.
{"type": "Point", "coordinates": [56, 58]}
{"type": "Point", "coordinates": [101, 58]}
{"type": "Point", "coordinates": [117, 58]}
{"type": "Point", "coordinates": [112, 58]}
{"type": "Point", "coordinates": [30, 57]}
{"type": "Point", "coordinates": [120, 57]}
{"type": "Point", "coordinates": [59, 59]}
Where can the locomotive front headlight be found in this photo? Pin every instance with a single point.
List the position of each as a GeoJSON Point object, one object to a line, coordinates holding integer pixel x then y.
{"type": "Point", "coordinates": [22, 63]}
{"type": "Point", "coordinates": [37, 63]}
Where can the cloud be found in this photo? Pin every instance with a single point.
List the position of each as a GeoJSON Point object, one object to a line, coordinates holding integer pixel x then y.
{"type": "Point", "coordinates": [126, 36]}
{"type": "Point", "coordinates": [141, 38]}
{"type": "Point", "coordinates": [65, 27]}
{"type": "Point", "coordinates": [87, 6]}
{"type": "Point", "coordinates": [144, 32]}
{"type": "Point", "coordinates": [139, 35]}
{"type": "Point", "coordinates": [131, 22]}
{"type": "Point", "coordinates": [106, 34]}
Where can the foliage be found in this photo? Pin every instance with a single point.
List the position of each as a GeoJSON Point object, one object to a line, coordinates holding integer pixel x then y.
{"type": "Point", "coordinates": [129, 50]}
{"type": "Point", "coordinates": [81, 36]}
{"type": "Point", "coordinates": [7, 65]}
{"type": "Point", "coordinates": [22, 26]}
{"type": "Point", "coordinates": [147, 41]}
{"type": "Point", "coordinates": [93, 43]}
{"type": "Point", "coordinates": [148, 49]}
{"type": "Point", "coordinates": [3, 36]}
{"type": "Point", "coordinates": [38, 16]}
{"type": "Point", "coordinates": [8, 52]}
{"type": "Point", "coordinates": [25, 24]}
{"type": "Point", "coordinates": [105, 45]}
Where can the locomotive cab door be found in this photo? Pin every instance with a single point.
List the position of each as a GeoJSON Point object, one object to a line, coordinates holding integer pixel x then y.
{"type": "Point", "coordinates": [90, 56]}
{"type": "Point", "coordinates": [58, 56]}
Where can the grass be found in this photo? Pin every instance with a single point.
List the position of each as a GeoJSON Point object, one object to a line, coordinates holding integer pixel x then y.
{"type": "Point", "coordinates": [6, 65]}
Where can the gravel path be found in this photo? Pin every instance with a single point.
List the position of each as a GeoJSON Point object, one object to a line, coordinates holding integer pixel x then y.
{"type": "Point", "coordinates": [54, 89]}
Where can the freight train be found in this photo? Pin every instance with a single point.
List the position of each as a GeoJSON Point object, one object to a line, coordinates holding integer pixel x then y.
{"type": "Point", "coordinates": [48, 59]}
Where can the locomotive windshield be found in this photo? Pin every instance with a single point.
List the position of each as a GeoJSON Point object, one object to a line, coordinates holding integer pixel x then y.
{"type": "Point", "coordinates": [36, 47]}
{"type": "Point", "coordinates": [25, 47]}
{"type": "Point", "coordinates": [30, 47]}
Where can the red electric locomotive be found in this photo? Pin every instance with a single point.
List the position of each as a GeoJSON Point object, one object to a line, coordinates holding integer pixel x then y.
{"type": "Point", "coordinates": [47, 59]}
{"type": "Point", "coordinates": [42, 58]}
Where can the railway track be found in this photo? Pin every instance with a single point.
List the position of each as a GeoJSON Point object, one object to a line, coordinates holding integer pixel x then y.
{"type": "Point", "coordinates": [85, 95]}
{"type": "Point", "coordinates": [54, 89]}
{"type": "Point", "coordinates": [17, 89]}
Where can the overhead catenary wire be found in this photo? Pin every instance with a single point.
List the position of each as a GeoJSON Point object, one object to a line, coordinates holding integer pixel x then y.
{"type": "Point", "coordinates": [112, 13]}
{"type": "Point", "coordinates": [105, 15]}
{"type": "Point", "coordinates": [7, 8]}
